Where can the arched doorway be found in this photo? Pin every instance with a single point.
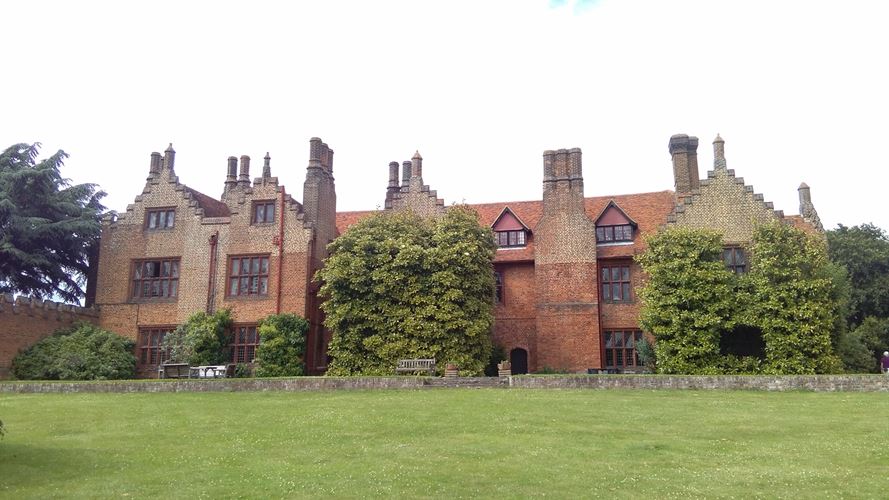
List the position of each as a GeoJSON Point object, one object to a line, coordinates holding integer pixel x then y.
{"type": "Point", "coordinates": [519, 359]}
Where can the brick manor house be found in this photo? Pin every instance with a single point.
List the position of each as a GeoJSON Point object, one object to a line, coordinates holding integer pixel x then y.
{"type": "Point", "coordinates": [564, 266]}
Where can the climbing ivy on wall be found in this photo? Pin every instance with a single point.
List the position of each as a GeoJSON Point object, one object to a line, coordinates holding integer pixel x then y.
{"type": "Point", "coordinates": [790, 300]}
{"type": "Point", "coordinates": [692, 304]}
{"type": "Point", "coordinates": [687, 299]}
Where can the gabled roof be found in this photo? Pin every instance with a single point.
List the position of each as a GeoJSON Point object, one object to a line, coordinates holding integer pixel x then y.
{"type": "Point", "coordinates": [508, 214]}
{"type": "Point", "coordinates": [211, 206]}
{"type": "Point", "coordinates": [613, 211]}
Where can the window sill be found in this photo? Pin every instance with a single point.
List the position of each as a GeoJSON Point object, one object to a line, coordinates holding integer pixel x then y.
{"type": "Point", "coordinates": [512, 248]}
{"type": "Point", "coordinates": [247, 297]}
{"type": "Point", "coordinates": [614, 243]}
{"type": "Point", "coordinates": [153, 300]}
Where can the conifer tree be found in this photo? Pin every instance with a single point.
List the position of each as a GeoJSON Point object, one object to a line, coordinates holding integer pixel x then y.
{"type": "Point", "coordinates": [47, 225]}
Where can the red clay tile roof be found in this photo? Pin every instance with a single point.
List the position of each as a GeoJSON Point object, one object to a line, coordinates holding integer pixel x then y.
{"type": "Point", "coordinates": [212, 207]}
{"type": "Point", "coordinates": [798, 222]}
{"type": "Point", "coordinates": [648, 210]}
{"type": "Point", "coordinates": [346, 219]}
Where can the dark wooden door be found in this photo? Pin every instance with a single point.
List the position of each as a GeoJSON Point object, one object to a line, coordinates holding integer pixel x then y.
{"type": "Point", "coordinates": [519, 360]}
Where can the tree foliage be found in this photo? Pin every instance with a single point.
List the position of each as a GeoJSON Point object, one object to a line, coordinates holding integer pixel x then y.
{"type": "Point", "coordinates": [693, 305]}
{"type": "Point", "coordinates": [400, 286]}
{"type": "Point", "coordinates": [47, 225]}
{"type": "Point", "coordinates": [82, 352]}
{"type": "Point", "coordinates": [280, 354]}
{"type": "Point", "coordinates": [202, 340]}
{"type": "Point", "coordinates": [864, 252]}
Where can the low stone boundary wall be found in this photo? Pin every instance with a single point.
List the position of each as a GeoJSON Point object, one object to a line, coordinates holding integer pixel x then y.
{"type": "Point", "coordinates": [818, 383]}
{"type": "Point", "coordinates": [251, 384]}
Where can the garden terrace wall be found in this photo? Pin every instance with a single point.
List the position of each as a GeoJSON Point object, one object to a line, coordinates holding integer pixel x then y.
{"type": "Point", "coordinates": [24, 321]}
{"type": "Point", "coordinates": [818, 383]}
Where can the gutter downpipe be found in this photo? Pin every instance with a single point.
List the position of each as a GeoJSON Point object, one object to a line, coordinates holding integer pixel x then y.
{"type": "Point", "coordinates": [280, 253]}
{"type": "Point", "coordinates": [211, 279]}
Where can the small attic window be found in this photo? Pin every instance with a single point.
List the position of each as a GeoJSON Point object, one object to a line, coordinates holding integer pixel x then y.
{"type": "Point", "coordinates": [509, 230]}
{"type": "Point", "coordinates": [614, 226]}
{"type": "Point", "coordinates": [609, 234]}
{"type": "Point", "coordinates": [509, 238]}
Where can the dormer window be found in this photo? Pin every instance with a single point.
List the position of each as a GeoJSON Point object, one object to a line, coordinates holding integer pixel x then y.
{"type": "Point", "coordinates": [614, 226]}
{"type": "Point", "coordinates": [607, 234]}
{"type": "Point", "coordinates": [509, 230]}
{"type": "Point", "coordinates": [510, 238]}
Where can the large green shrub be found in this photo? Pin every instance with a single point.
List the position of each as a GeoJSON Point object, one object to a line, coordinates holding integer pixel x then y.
{"type": "Point", "coordinates": [82, 352]}
{"type": "Point", "coordinates": [282, 346]}
{"type": "Point", "coordinates": [401, 286]}
{"type": "Point", "coordinates": [201, 340]}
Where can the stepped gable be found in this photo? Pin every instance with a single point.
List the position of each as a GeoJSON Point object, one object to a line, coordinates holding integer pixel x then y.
{"type": "Point", "coordinates": [724, 202]}
{"type": "Point", "coordinates": [162, 170]}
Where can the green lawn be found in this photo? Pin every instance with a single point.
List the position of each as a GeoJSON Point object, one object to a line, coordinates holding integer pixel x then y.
{"type": "Point", "coordinates": [446, 443]}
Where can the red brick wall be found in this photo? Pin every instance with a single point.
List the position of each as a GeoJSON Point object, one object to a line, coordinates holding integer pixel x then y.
{"type": "Point", "coordinates": [24, 322]}
{"type": "Point", "coordinates": [515, 318]}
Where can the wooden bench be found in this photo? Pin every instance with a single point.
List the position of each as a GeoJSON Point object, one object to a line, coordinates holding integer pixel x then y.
{"type": "Point", "coordinates": [174, 370]}
{"type": "Point", "coordinates": [415, 366]}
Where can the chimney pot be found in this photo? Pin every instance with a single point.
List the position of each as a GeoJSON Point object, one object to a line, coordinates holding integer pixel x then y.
{"type": "Point", "coordinates": [244, 176]}
{"type": "Point", "coordinates": [679, 151]}
{"type": "Point", "coordinates": [393, 174]}
{"type": "Point", "coordinates": [406, 170]}
{"type": "Point", "coordinates": [155, 166]}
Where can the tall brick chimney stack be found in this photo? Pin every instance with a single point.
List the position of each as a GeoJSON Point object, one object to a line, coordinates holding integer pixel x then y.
{"type": "Point", "coordinates": [267, 166]}
{"type": "Point", "coordinates": [169, 158]}
{"type": "Point", "coordinates": [406, 172]}
{"type": "Point", "coordinates": [231, 176]}
{"type": "Point", "coordinates": [319, 194]}
{"type": "Point", "coordinates": [154, 168]}
{"type": "Point", "coordinates": [718, 152]}
{"type": "Point", "coordinates": [684, 151]}
{"type": "Point", "coordinates": [244, 175]}
{"type": "Point", "coordinates": [565, 269]}
{"type": "Point", "coordinates": [417, 165]}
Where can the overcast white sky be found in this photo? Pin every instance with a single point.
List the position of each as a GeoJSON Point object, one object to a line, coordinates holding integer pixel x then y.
{"type": "Point", "coordinates": [798, 89]}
